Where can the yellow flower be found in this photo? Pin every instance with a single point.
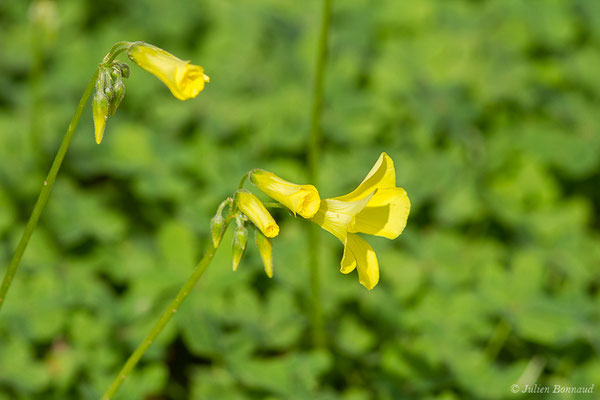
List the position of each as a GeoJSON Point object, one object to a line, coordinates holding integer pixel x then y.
{"type": "Point", "coordinates": [376, 207]}
{"type": "Point", "coordinates": [301, 199]}
{"type": "Point", "coordinates": [265, 248]}
{"type": "Point", "coordinates": [183, 79]}
{"type": "Point", "coordinates": [251, 206]}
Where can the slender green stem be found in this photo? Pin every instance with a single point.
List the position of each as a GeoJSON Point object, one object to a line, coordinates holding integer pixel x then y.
{"type": "Point", "coordinates": [498, 339]}
{"type": "Point", "coordinates": [227, 202]}
{"type": "Point", "coordinates": [318, 326]}
{"type": "Point", "coordinates": [243, 180]}
{"type": "Point", "coordinates": [45, 192]}
{"type": "Point", "coordinates": [274, 205]}
{"type": "Point", "coordinates": [117, 48]}
{"type": "Point", "coordinates": [317, 103]}
{"type": "Point", "coordinates": [164, 318]}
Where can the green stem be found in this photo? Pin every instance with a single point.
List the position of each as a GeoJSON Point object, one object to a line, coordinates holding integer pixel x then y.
{"type": "Point", "coordinates": [274, 205]}
{"type": "Point", "coordinates": [318, 326]}
{"type": "Point", "coordinates": [117, 48]}
{"type": "Point", "coordinates": [45, 192]}
{"type": "Point", "coordinates": [164, 319]}
{"type": "Point", "coordinates": [243, 180]}
{"type": "Point", "coordinates": [498, 339]}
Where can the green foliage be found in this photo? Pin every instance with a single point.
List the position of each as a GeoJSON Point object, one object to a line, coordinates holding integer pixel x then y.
{"type": "Point", "coordinates": [489, 110]}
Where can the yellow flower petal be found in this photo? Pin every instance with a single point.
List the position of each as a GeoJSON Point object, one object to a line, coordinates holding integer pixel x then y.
{"type": "Point", "coordinates": [358, 253]}
{"type": "Point", "coordinates": [183, 79]}
{"type": "Point", "coordinates": [385, 214]}
{"type": "Point", "coordinates": [348, 263]}
{"type": "Point", "coordinates": [301, 199]}
{"type": "Point", "coordinates": [376, 207]}
{"type": "Point", "coordinates": [265, 248]}
{"type": "Point", "coordinates": [382, 175]}
{"type": "Point", "coordinates": [334, 215]}
{"type": "Point", "coordinates": [251, 206]}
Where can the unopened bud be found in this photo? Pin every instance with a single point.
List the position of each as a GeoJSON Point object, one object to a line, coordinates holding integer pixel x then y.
{"type": "Point", "coordinates": [100, 113]}
{"type": "Point", "coordinates": [301, 199]}
{"type": "Point", "coordinates": [109, 92]}
{"type": "Point", "coordinates": [119, 94]}
{"type": "Point", "coordinates": [265, 248]}
{"type": "Point", "coordinates": [217, 226]}
{"type": "Point", "coordinates": [115, 72]}
{"type": "Point", "coordinates": [240, 238]}
{"type": "Point", "coordinates": [252, 207]}
{"type": "Point", "coordinates": [124, 70]}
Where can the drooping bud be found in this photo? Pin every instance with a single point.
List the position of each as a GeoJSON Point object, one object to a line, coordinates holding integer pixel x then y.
{"type": "Point", "coordinates": [110, 91]}
{"type": "Point", "coordinates": [119, 94]}
{"type": "Point", "coordinates": [252, 207]}
{"type": "Point", "coordinates": [265, 248]}
{"type": "Point", "coordinates": [240, 238]}
{"type": "Point", "coordinates": [185, 80]}
{"type": "Point", "coordinates": [301, 199]}
{"type": "Point", "coordinates": [217, 226]}
{"type": "Point", "coordinates": [100, 109]}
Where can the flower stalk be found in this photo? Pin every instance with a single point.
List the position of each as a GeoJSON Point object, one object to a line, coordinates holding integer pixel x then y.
{"type": "Point", "coordinates": [164, 318]}
{"type": "Point", "coordinates": [45, 192]}
{"type": "Point", "coordinates": [315, 138]}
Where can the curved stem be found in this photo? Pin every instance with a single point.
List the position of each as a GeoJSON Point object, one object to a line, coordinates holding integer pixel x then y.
{"type": "Point", "coordinates": [45, 192]}
{"type": "Point", "coordinates": [318, 326]}
{"type": "Point", "coordinates": [164, 319]}
{"type": "Point", "coordinates": [243, 180]}
{"type": "Point", "coordinates": [227, 202]}
{"type": "Point", "coordinates": [117, 48]}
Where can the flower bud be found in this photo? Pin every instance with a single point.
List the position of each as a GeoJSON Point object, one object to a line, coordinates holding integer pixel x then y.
{"type": "Point", "coordinates": [119, 94]}
{"type": "Point", "coordinates": [301, 199]}
{"type": "Point", "coordinates": [100, 106]}
{"type": "Point", "coordinates": [124, 70]}
{"type": "Point", "coordinates": [251, 206]}
{"type": "Point", "coordinates": [217, 226]}
{"type": "Point", "coordinates": [115, 72]}
{"type": "Point", "coordinates": [183, 79]}
{"type": "Point", "coordinates": [109, 92]}
{"type": "Point", "coordinates": [265, 248]}
{"type": "Point", "coordinates": [240, 238]}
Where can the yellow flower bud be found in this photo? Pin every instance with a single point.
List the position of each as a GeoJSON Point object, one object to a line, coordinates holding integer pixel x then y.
{"type": "Point", "coordinates": [251, 206]}
{"type": "Point", "coordinates": [265, 248]}
{"type": "Point", "coordinates": [185, 80]}
{"type": "Point", "coordinates": [301, 199]}
{"type": "Point", "coordinates": [100, 110]}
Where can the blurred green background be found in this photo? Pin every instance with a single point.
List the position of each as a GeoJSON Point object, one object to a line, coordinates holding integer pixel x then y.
{"type": "Point", "coordinates": [488, 108]}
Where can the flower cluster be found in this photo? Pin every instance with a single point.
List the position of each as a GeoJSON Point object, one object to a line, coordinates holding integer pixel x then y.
{"type": "Point", "coordinates": [376, 207]}
{"type": "Point", "coordinates": [185, 80]}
